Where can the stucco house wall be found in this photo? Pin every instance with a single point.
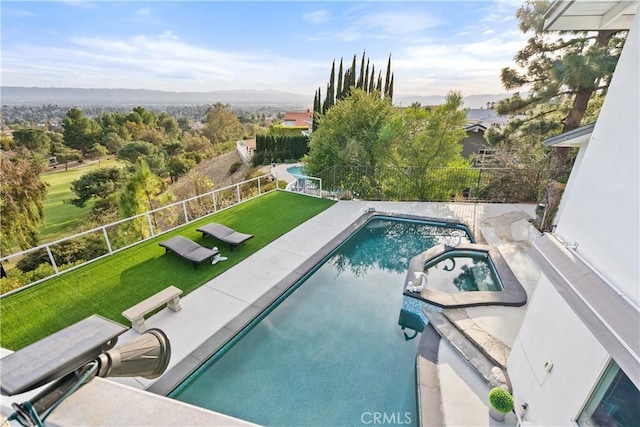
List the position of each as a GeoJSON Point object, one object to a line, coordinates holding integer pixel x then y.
{"type": "Point", "coordinates": [553, 333]}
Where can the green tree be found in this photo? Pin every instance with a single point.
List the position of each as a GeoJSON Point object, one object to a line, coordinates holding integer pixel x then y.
{"type": "Point", "coordinates": [349, 81]}
{"type": "Point", "coordinates": [422, 138]}
{"type": "Point", "coordinates": [22, 196]}
{"type": "Point", "coordinates": [153, 157]}
{"type": "Point", "coordinates": [574, 66]}
{"type": "Point", "coordinates": [138, 195]}
{"type": "Point", "coordinates": [80, 132]}
{"type": "Point", "coordinates": [352, 134]}
{"type": "Point", "coordinates": [113, 142]}
{"type": "Point", "coordinates": [32, 139]}
{"type": "Point", "coordinates": [169, 125]}
{"type": "Point", "coordinates": [133, 150]}
{"type": "Point", "coordinates": [98, 151]}
{"type": "Point", "coordinates": [197, 144]}
{"type": "Point", "coordinates": [221, 124]}
{"type": "Point", "coordinates": [97, 184]}
{"type": "Point", "coordinates": [178, 166]}
{"type": "Point", "coordinates": [65, 154]}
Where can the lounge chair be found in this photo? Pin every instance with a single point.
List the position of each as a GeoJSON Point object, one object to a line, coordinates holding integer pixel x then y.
{"type": "Point", "coordinates": [189, 249]}
{"type": "Point", "coordinates": [224, 234]}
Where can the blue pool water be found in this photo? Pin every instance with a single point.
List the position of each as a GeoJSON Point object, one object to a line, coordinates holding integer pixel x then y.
{"type": "Point", "coordinates": [332, 352]}
{"type": "Point", "coordinates": [464, 271]}
{"type": "Point", "coordinates": [296, 170]}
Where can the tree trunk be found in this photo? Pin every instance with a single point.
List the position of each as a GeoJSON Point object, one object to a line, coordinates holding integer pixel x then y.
{"type": "Point", "coordinates": [580, 102]}
{"type": "Point", "coordinates": [572, 121]}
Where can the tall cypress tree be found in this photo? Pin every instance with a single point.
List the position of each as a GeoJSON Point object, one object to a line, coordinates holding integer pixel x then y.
{"type": "Point", "coordinates": [372, 79]}
{"type": "Point", "coordinates": [365, 86]}
{"type": "Point", "coordinates": [353, 75]}
{"type": "Point", "coordinates": [317, 109]}
{"type": "Point", "coordinates": [360, 84]}
{"type": "Point", "coordinates": [339, 90]}
{"type": "Point", "coordinates": [331, 87]}
{"type": "Point", "coordinates": [348, 79]}
{"type": "Point", "coordinates": [387, 80]}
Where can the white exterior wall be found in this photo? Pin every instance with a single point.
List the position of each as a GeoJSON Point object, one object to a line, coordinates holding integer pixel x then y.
{"type": "Point", "coordinates": [576, 167]}
{"type": "Point", "coordinates": [601, 210]}
{"type": "Point", "coordinates": [551, 331]}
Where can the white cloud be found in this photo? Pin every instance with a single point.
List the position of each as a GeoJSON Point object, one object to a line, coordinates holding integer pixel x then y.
{"type": "Point", "coordinates": [317, 17]}
{"type": "Point", "coordinates": [143, 12]}
{"type": "Point", "coordinates": [396, 23]}
{"type": "Point", "coordinates": [161, 62]}
{"type": "Point", "coordinates": [380, 25]}
{"type": "Point", "coordinates": [433, 67]}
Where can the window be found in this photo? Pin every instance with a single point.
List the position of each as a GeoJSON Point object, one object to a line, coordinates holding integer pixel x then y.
{"type": "Point", "coordinates": [615, 401]}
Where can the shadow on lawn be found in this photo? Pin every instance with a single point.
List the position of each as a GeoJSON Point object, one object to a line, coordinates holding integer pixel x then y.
{"type": "Point", "coordinates": [166, 269]}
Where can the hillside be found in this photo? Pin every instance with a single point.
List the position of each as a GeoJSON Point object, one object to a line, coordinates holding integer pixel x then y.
{"type": "Point", "coordinates": [217, 170]}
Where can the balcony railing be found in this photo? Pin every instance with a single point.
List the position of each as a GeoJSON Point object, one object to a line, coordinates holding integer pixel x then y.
{"type": "Point", "coordinates": [55, 258]}
{"type": "Point", "coordinates": [436, 184]}
{"type": "Point", "coordinates": [393, 184]}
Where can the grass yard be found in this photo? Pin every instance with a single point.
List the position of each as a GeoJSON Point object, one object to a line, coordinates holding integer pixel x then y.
{"type": "Point", "coordinates": [109, 286]}
{"type": "Point", "coordinates": [61, 219]}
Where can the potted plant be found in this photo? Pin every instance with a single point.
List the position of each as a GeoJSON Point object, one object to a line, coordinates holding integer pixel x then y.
{"type": "Point", "coordinates": [501, 403]}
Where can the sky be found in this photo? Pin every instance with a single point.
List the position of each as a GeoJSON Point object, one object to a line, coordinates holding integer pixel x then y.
{"type": "Point", "coordinates": [203, 46]}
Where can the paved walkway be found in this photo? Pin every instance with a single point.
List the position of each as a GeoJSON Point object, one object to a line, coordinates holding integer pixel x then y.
{"type": "Point", "coordinates": [209, 308]}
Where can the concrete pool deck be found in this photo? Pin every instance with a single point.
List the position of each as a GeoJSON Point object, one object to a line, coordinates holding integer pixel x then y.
{"type": "Point", "coordinates": [212, 307]}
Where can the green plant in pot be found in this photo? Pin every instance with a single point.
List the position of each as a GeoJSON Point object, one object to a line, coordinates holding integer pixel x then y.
{"type": "Point", "coordinates": [501, 401]}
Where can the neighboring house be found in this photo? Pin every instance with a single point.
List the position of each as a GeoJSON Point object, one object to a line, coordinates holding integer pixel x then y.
{"type": "Point", "coordinates": [576, 359]}
{"type": "Point", "coordinates": [478, 121]}
{"type": "Point", "coordinates": [299, 119]}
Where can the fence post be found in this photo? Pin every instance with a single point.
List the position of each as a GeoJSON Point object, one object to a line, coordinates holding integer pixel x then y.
{"type": "Point", "coordinates": [238, 192]}
{"type": "Point", "coordinates": [52, 259]}
{"type": "Point", "coordinates": [259, 190]}
{"type": "Point", "coordinates": [184, 209]}
{"type": "Point", "coordinates": [150, 224]}
{"type": "Point", "coordinates": [215, 204]}
{"type": "Point", "coordinates": [106, 239]}
{"type": "Point", "coordinates": [478, 183]}
{"type": "Point", "coordinates": [277, 181]}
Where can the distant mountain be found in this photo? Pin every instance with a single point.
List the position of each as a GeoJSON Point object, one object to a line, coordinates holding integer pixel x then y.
{"type": "Point", "coordinates": [12, 95]}
{"type": "Point", "coordinates": [471, 101]}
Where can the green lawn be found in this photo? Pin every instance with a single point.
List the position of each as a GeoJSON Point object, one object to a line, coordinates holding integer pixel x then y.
{"type": "Point", "coordinates": [113, 284]}
{"type": "Point", "coordinates": [61, 219]}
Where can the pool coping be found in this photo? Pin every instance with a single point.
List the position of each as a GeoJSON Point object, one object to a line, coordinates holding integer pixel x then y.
{"type": "Point", "coordinates": [171, 379]}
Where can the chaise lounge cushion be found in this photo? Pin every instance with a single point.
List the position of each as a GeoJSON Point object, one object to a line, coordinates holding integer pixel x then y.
{"type": "Point", "coordinates": [188, 249]}
{"type": "Point", "coordinates": [224, 233]}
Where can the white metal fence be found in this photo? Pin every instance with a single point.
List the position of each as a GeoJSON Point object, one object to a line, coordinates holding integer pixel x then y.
{"type": "Point", "coordinates": [109, 239]}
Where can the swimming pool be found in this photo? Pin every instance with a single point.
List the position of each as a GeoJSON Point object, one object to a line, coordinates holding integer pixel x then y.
{"type": "Point", "coordinates": [296, 170]}
{"type": "Point", "coordinates": [331, 352]}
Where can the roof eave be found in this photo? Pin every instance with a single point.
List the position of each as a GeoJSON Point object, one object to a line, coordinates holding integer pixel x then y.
{"type": "Point", "coordinates": [574, 138]}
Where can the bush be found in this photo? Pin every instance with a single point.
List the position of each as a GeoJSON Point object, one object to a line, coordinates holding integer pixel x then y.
{"type": "Point", "coordinates": [501, 400]}
{"type": "Point", "coordinates": [234, 167]}
{"type": "Point", "coordinates": [72, 251]}
{"type": "Point", "coordinates": [258, 159]}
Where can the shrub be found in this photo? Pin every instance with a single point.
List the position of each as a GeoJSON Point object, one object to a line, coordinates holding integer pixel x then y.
{"type": "Point", "coordinates": [501, 400]}
{"type": "Point", "coordinates": [75, 250]}
{"type": "Point", "coordinates": [258, 159]}
{"type": "Point", "coordinates": [234, 167]}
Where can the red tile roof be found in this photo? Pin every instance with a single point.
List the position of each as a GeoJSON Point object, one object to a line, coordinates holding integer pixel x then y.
{"type": "Point", "coordinates": [298, 119]}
